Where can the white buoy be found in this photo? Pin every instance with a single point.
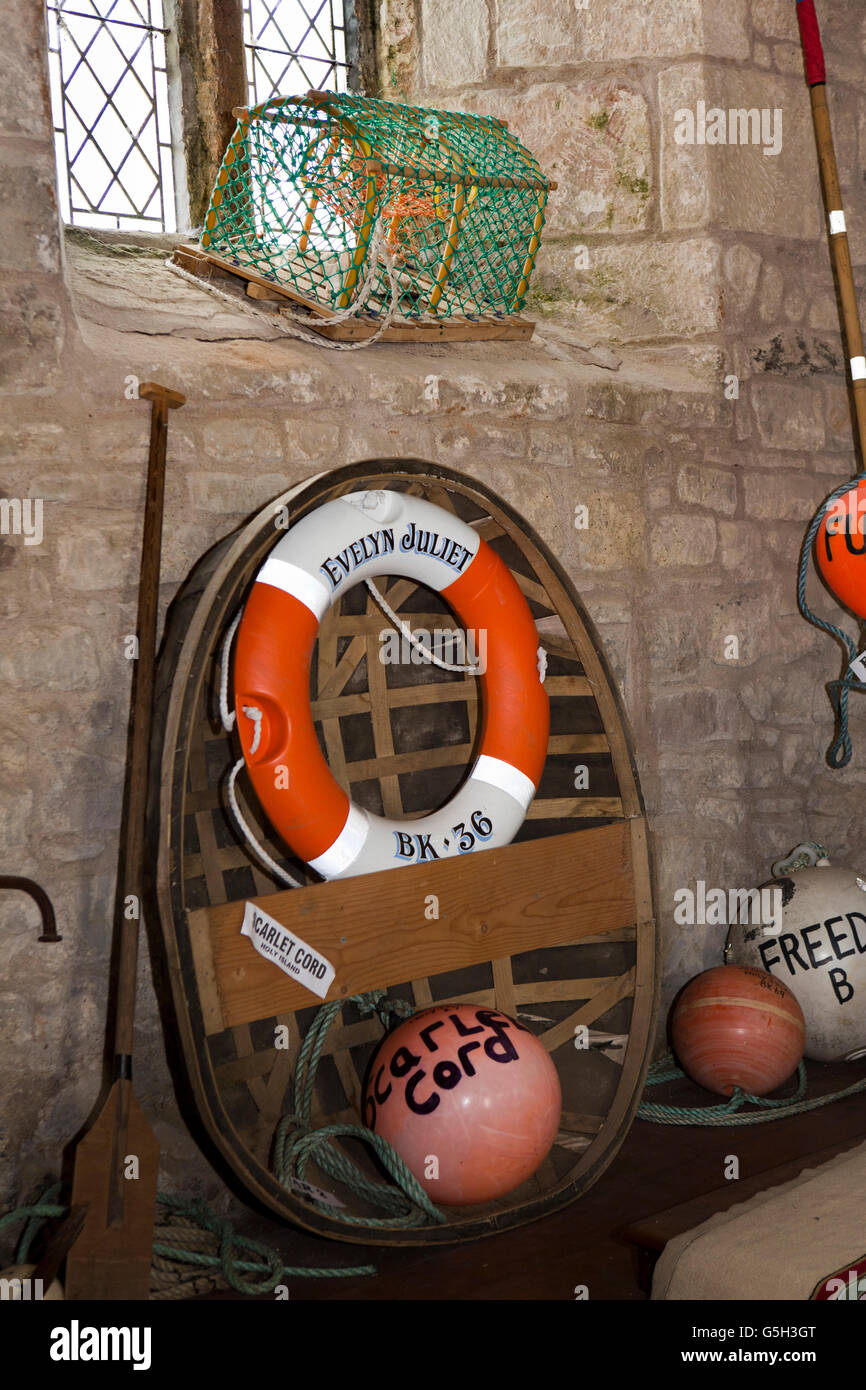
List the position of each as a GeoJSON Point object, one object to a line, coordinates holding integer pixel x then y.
{"type": "Point", "coordinates": [819, 951]}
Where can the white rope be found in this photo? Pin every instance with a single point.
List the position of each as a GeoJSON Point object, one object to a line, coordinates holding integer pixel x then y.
{"type": "Point", "coordinates": [258, 850]}
{"type": "Point", "coordinates": [378, 252]}
{"type": "Point", "coordinates": [229, 718]}
{"type": "Point", "coordinates": [256, 716]}
{"type": "Point", "coordinates": [425, 652]}
{"type": "Point", "coordinates": [227, 715]}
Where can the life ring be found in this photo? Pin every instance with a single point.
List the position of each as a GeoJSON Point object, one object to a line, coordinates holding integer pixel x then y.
{"type": "Point", "coordinates": [341, 543]}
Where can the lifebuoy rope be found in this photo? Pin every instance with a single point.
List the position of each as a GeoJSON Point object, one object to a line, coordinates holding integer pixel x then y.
{"type": "Point", "coordinates": [412, 639]}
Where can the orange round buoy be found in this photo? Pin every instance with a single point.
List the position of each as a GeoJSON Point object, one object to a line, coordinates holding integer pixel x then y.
{"type": "Point", "coordinates": [840, 548]}
{"type": "Point", "coordinates": [469, 1098]}
{"type": "Point", "coordinates": [738, 1026]}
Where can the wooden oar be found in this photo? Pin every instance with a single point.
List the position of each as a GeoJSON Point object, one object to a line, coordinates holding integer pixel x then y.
{"type": "Point", "coordinates": [816, 77]}
{"type": "Point", "coordinates": [117, 1161]}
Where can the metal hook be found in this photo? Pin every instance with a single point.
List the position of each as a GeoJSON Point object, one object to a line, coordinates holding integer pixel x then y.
{"type": "Point", "coordinates": [42, 900]}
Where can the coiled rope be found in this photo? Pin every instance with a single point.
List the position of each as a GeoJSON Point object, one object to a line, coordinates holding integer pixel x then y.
{"type": "Point", "coordinates": [248, 1266]}
{"type": "Point", "coordinates": [666, 1069]}
{"type": "Point", "coordinates": [839, 752]}
{"type": "Point", "coordinates": [297, 1142]}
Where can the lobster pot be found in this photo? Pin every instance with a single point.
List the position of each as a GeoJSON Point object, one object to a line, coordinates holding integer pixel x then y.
{"type": "Point", "coordinates": [312, 188]}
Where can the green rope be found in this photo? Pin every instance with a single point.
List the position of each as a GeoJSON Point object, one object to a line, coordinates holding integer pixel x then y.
{"type": "Point", "coordinates": [666, 1069]}
{"type": "Point", "coordinates": [249, 1266]}
{"type": "Point", "coordinates": [298, 1143]}
{"type": "Point", "coordinates": [267, 1266]}
{"type": "Point", "coordinates": [35, 1216]}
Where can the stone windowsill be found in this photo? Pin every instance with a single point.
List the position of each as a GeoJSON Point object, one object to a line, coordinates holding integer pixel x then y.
{"type": "Point", "coordinates": [124, 295]}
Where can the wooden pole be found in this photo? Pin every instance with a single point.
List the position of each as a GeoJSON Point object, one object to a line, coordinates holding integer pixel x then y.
{"type": "Point", "coordinates": [813, 54]}
{"type": "Point", "coordinates": [117, 1161]}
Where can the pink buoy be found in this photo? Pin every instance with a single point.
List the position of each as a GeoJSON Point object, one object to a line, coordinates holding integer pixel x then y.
{"type": "Point", "coordinates": [735, 1025]}
{"type": "Point", "coordinates": [469, 1098]}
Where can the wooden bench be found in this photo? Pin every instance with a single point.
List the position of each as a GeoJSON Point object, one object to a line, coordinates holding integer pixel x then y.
{"type": "Point", "coordinates": [650, 1234]}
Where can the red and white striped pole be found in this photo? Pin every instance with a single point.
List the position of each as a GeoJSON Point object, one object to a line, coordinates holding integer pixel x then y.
{"type": "Point", "coordinates": [816, 77]}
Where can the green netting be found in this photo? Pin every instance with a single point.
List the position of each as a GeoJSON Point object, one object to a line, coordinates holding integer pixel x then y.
{"type": "Point", "coordinates": [311, 186]}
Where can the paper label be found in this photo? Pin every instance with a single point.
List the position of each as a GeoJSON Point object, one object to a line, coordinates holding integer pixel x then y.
{"type": "Point", "coordinates": [306, 1189]}
{"type": "Point", "coordinates": [858, 667]}
{"type": "Point", "coordinates": [290, 953]}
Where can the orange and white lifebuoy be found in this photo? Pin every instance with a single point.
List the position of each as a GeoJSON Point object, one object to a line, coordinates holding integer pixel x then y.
{"type": "Point", "coordinates": [353, 538]}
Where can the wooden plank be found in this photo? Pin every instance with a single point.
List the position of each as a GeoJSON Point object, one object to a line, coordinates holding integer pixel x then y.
{"type": "Point", "coordinates": [399, 696]}
{"type": "Point", "coordinates": [567, 807]}
{"type": "Point", "coordinates": [191, 257]}
{"type": "Point", "coordinates": [556, 991]}
{"type": "Point", "coordinates": [507, 328]}
{"type": "Point", "coordinates": [441, 692]}
{"type": "Point", "coordinates": [422, 993]}
{"type": "Point", "coordinates": [376, 620]}
{"type": "Point", "coordinates": [446, 330]}
{"type": "Point", "coordinates": [619, 988]}
{"type": "Point", "coordinates": [268, 295]}
{"type": "Point", "coordinates": [372, 928]}
{"type": "Point", "coordinates": [331, 727]}
{"type": "Point", "coordinates": [282, 1071]}
{"type": "Point", "coordinates": [205, 971]}
{"type": "Point", "coordinates": [343, 670]}
{"type": "Point", "coordinates": [653, 1232]}
{"type": "Point", "coordinates": [386, 765]}
{"type": "Point", "coordinates": [573, 1123]}
{"type": "Point", "coordinates": [503, 984]}
{"type": "Point", "coordinates": [383, 738]}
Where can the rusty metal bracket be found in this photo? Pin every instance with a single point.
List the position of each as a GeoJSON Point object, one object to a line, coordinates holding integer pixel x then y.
{"type": "Point", "coordinates": [42, 900]}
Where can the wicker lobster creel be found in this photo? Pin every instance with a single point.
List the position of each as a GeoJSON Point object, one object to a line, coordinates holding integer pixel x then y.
{"type": "Point", "coordinates": [312, 187]}
{"type": "Point", "coordinates": [556, 928]}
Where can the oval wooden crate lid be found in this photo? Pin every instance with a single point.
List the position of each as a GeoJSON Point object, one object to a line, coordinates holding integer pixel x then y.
{"type": "Point", "coordinates": [556, 929]}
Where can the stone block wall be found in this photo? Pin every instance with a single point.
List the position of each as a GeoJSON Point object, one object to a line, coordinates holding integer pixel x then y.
{"type": "Point", "coordinates": [718, 253]}
{"type": "Point", "coordinates": [699, 268]}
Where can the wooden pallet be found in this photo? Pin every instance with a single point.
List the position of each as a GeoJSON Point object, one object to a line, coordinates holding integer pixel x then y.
{"type": "Point", "coordinates": [209, 267]}
{"type": "Point", "coordinates": [556, 928]}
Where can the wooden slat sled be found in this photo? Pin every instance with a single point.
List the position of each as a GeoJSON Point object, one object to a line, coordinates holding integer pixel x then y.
{"type": "Point", "coordinates": [556, 928]}
{"type": "Point", "coordinates": [267, 293]}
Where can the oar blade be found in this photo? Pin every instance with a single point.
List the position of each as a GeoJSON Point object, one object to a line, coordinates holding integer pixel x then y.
{"type": "Point", "coordinates": [116, 1174]}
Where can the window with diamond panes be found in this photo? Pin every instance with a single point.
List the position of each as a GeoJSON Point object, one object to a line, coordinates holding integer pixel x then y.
{"type": "Point", "coordinates": [109, 96]}
{"type": "Point", "coordinates": [293, 46]}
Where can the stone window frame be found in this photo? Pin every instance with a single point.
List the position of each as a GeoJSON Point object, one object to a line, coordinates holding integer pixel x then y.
{"type": "Point", "coordinates": [206, 63]}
